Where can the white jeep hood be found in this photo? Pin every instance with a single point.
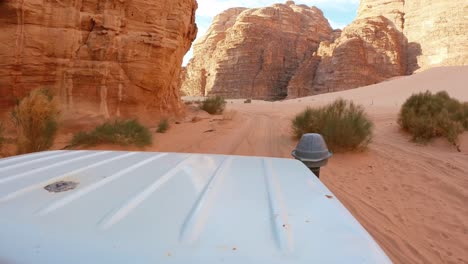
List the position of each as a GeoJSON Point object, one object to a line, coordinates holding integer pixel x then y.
{"type": "Point", "coordinates": [140, 207]}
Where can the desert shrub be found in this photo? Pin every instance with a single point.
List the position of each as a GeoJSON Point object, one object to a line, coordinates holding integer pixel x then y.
{"type": "Point", "coordinates": [426, 116]}
{"type": "Point", "coordinates": [163, 126]}
{"type": "Point", "coordinates": [344, 125]}
{"type": "Point", "coordinates": [214, 105]}
{"type": "Point", "coordinates": [248, 101]}
{"type": "Point", "coordinates": [119, 132]}
{"type": "Point", "coordinates": [36, 118]}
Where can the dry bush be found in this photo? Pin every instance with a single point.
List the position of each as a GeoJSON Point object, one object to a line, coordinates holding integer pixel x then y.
{"type": "Point", "coordinates": [214, 105]}
{"type": "Point", "coordinates": [126, 132]}
{"type": "Point", "coordinates": [248, 101]}
{"type": "Point", "coordinates": [426, 116]}
{"type": "Point", "coordinates": [36, 118]}
{"type": "Point", "coordinates": [163, 126]}
{"type": "Point", "coordinates": [344, 125]}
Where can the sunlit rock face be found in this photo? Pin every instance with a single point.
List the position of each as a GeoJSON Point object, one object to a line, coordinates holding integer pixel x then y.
{"type": "Point", "coordinates": [118, 56]}
{"type": "Point", "coordinates": [435, 30]}
{"type": "Point", "coordinates": [368, 51]}
{"type": "Point", "coordinates": [255, 52]}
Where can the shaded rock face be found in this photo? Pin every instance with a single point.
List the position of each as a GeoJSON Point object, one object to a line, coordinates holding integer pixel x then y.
{"type": "Point", "coordinates": [435, 30]}
{"type": "Point", "coordinates": [118, 56]}
{"type": "Point", "coordinates": [368, 51]}
{"type": "Point", "coordinates": [255, 52]}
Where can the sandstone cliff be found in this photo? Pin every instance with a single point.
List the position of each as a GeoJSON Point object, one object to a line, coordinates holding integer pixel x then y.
{"type": "Point", "coordinates": [255, 52]}
{"type": "Point", "coordinates": [368, 51]}
{"type": "Point", "coordinates": [117, 55]}
{"type": "Point", "coordinates": [435, 30]}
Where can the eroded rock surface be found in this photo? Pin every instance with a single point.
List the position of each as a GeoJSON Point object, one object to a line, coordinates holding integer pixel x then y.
{"type": "Point", "coordinates": [118, 56]}
{"type": "Point", "coordinates": [255, 52]}
{"type": "Point", "coordinates": [369, 51]}
{"type": "Point", "coordinates": [435, 31]}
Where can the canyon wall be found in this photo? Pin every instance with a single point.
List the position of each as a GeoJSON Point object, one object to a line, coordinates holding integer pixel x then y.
{"type": "Point", "coordinates": [435, 30]}
{"type": "Point", "coordinates": [255, 52]}
{"type": "Point", "coordinates": [117, 56]}
{"type": "Point", "coordinates": [368, 51]}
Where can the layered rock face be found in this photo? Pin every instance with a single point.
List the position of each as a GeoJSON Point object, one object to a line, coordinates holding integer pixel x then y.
{"type": "Point", "coordinates": [435, 30]}
{"type": "Point", "coordinates": [118, 56]}
{"type": "Point", "coordinates": [255, 52]}
{"type": "Point", "coordinates": [368, 51]}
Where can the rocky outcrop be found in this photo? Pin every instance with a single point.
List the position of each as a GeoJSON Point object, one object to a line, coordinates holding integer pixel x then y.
{"type": "Point", "coordinates": [255, 52]}
{"type": "Point", "coordinates": [116, 56]}
{"type": "Point", "coordinates": [369, 51]}
{"type": "Point", "coordinates": [393, 10]}
{"type": "Point", "coordinates": [435, 31]}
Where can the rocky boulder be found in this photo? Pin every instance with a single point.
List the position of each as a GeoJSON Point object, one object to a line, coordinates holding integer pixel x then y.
{"type": "Point", "coordinates": [117, 57]}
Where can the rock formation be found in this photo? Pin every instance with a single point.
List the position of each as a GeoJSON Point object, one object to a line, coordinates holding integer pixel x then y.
{"type": "Point", "coordinates": [255, 52]}
{"type": "Point", "coordinates": [115, 55]}
{"type": "Point", "coordinates": [368, 51]}
{"type": "Point", "coordinates": [391, 9]}
{"type": "Point", "coordinates": [435, 31]}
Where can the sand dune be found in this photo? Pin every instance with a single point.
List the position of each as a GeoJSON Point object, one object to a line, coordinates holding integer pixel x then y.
{"type": "Point", "coordinates": [412, 199]}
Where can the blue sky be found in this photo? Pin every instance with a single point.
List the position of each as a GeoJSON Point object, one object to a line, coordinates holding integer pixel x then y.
{"type": "Point", "coordinates": [338, 12]}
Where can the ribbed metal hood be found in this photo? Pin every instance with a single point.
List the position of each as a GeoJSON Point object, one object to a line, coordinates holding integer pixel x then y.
{"type": "Point", "coordinates": [140, 207]}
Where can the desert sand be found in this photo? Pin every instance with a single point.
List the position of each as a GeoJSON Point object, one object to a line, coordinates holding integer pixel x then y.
{"type": "Point", "coordinates": [413, 199]}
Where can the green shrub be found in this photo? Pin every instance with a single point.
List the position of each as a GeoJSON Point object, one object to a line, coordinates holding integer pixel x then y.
{"type": "Point", "coordinates": [36, 118]}
{"type": "Point", "coordinates": [214, 105]}
{"type": "Point", "coordinates": [248, 101]}
{"type": "Point", "coordinates": [163, 126]}
{"type": "Point", "coordinates": [426, 116]}
{"type": "Point", "coordinates": [344, 125]}
{"type": "Point", "coordinates": [119, 132]}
